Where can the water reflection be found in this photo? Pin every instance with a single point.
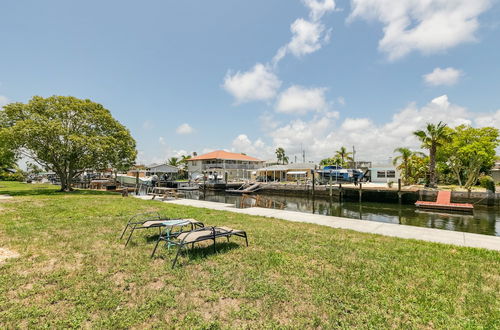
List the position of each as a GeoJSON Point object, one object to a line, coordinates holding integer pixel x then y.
{"type": "Point", "coordinates": [483, 221]}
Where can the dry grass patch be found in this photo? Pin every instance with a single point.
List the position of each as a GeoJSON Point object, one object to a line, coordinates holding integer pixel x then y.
{"type": "Point", "coordinates": [7, 254]}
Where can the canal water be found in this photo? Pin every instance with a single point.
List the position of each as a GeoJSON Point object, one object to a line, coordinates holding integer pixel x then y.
{"type": "Point", "coordinates": [484, 220]}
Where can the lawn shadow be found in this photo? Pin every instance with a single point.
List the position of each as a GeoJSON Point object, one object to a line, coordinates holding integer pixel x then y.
{"type": "Point", "coordinates": [196, 253]}
{"type": "Point", "coordinates": [52, 191]}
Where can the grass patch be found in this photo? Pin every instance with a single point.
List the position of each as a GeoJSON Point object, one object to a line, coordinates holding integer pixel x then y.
{"type": "Point", "coordinates": [74, 272]}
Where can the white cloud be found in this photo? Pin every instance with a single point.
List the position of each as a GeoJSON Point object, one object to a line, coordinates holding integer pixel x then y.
{"type": "Point", "coordinates": [258, 84]}
{"type": "Point", "coordinates": [318, 8]}
{"type": "Point", "coordinates": [242, 144]}
{"type": "Point", "coordinates": [3, 100]}
{"type": "Point", "coordinates": [162, 141]}
{"type": "Point", "coordinates": [310, 35]}
{"type": "Point", "coordinates": [448, 76]}
{"type": "Point", "coordinates": [351, 124]}
{"type": "Point", "coordinates": [324, 134]}
{"type": "Point", "coordinates": [300, 100]}
{"type": "Point", "coordinates": [307, 37]}
{"type": "Point", "coordinates": [184, 129]}
{"type": "Point", "coordinates": [341, 100]}
{"type": "Point", "coordinates": [491, 119]}
{"type": "Point", "coordinates": [428, 26]}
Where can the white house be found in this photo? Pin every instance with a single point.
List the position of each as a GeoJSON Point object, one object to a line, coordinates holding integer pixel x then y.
{"type": "Point", "coordinates": [384, 173]}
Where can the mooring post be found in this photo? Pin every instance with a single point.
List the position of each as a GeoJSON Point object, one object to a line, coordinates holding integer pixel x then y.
{"type": "Point", "coordinates": [137, 182]}
{"type": "Point", "coordinates": [312, 172]}
{"type": "Point", "coordinates": [399, 191]}
{"type": "Point", "coordinates": [331, 193]}
{"type": "Point", "coordinates": [340, 192]}
{"type": "Point", "coordinates": [360, 192]}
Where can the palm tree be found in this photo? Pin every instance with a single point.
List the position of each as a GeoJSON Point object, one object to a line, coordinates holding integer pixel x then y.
{"type": "Point", "coordinates": [173, 161]}
{"type": "Point", "coordinates": [280, 155]}
{"type": "Point", "coordinates": [433, 137]}
{"type": "Point", "coordinates": [343, 155]}
{"type": "Point", "coordinates": [404, 159]}
{"type": "Point", "coordinates": [183, 165]}
{"type": "Point", "coordinates": [184, 161]}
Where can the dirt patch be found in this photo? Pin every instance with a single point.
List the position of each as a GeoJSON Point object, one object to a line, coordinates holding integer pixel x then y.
{"type": "Point", "coordinates": [6, 254]}
{"type": "Point", "coordinates": [2, 197]}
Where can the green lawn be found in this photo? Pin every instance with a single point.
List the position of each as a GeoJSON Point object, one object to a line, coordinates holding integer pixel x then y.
{"type": "Point", "coordinates": [73, 271]}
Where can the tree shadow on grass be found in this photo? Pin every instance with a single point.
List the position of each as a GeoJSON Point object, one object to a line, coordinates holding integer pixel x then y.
{"type": "Point", "coordinates": [50, 191]}
{"type": "Point", "coordinates": [194, 254]}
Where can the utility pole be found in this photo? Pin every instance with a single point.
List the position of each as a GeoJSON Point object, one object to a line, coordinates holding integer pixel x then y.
{"type": "Point", "coordinates": [354, 156]}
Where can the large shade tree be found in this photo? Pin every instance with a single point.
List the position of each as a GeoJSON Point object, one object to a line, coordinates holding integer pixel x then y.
{"type": "Point", "coordinates": [433, 137]}
{"type": "Point", "coordinates": [471, 152]}
{"type": "Point", "coordinates": [68, 135]}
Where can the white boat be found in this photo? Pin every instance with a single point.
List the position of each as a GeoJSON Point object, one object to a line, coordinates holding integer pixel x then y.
{"type": "Point", "coordinates": [131, 180]}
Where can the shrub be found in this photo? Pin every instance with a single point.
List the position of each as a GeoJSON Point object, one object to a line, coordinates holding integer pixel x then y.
{"type": "Point", "coordinates": [487, 182]}
{"type": "Point", "coordinates": [7, 176]}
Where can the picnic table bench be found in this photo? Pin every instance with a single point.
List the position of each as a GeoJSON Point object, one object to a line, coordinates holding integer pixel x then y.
{"type": "Point", "coordinates": [164, 193]}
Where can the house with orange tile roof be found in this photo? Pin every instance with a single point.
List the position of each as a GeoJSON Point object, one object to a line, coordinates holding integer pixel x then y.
{"type": "Point", "coordinates": [220, 163]}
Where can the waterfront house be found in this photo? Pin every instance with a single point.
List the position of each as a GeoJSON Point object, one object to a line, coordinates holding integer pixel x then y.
{"type": "Point", "coordinates": [495, 172]}
{"type": "Point", "coordinates": [153, 169]}
{"type": "Point", "coordinates": [287, 172]}
{"type": "Point", "coordinates": [161, 169]}
{"type": "Point", "coordinates": [221, 163]}
{"type": "Point", "coordinates": [384, 173]}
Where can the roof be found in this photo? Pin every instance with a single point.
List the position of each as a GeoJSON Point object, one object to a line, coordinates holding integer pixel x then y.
{"type": "Point", "coordinates": [296, 172]}
{"type": "Point", "coordinates": [221, 154]}
{"type": "Point", "coordinates": [162, 168]}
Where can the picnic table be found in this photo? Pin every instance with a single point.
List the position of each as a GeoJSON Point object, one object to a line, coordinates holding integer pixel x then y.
{"type": "Point", "coordinates": [164, 193]}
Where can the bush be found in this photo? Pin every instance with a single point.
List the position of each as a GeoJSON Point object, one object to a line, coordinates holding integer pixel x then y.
{"type": "Point", "coordinates": [7, 176]}
{"type": "Point", "coordinates": [487, 182]}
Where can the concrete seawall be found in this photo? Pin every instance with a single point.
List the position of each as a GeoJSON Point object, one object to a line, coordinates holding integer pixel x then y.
{"type": "Point", "coordinates": [384, 195]}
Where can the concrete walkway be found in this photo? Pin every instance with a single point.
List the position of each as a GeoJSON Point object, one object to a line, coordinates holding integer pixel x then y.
{"type": "Point", "coordinates": [387, 229]}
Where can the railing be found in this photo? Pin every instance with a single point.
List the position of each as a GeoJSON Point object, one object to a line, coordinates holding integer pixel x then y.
{"type": "Point", "coordinates": [230, 166]}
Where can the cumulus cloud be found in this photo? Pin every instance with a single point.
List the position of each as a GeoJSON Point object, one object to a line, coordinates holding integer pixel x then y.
{"type": "Point", "coordinates": [438, 77]}
{"type": "Point", "coordinates": [161, 140]}
{"type": "Point", "coordinates": [324, 134]}
{"type": "Point", "coordinates": [309, 35]}
{"type": "Point", "coordinates": [301, 100]}
{"type": "Point", "coordinates": [184, 129]}
{"type": "Point", "coordinates": [318, 8]}
{"type": "Point", "coordinates": [491, 119]}
{"type": "Point", "coordinates": [243, 144]}
{"type": "Point", "coordinates": [354, 124]}
{"type": "Point", "coordinates": [426, 26]}
{"type": "Point", "coordinates": [257, 84]}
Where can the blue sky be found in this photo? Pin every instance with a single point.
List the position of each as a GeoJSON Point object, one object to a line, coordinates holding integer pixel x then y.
{"type": "Point", "coordinates": [249, 76]}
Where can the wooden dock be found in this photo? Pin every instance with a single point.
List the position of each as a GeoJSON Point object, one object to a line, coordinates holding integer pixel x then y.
{"type": "Point", "coordinates": [443, 202]}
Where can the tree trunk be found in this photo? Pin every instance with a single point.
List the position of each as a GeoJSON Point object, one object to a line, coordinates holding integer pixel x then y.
{"type": "Point", "coordinates": [432, 166]}
{"type": "Point", "coordinates": [64, 185]}
{"type": "Point", "coordinates": [65, 182]}
{"type": "Point", "coordinates": [407, 173]}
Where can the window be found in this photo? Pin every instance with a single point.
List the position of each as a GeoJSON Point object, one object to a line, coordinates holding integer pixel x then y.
{"type": "Point", "coordinates": [380, 174]}
{"type": "Point", "coordinates": [391, 174]}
